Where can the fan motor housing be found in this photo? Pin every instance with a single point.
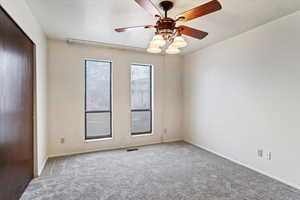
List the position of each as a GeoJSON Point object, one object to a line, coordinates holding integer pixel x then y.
{"type": "Point", "coordinates": [166, 23]}
{"type": "Point", "coordinates": [165, 27]}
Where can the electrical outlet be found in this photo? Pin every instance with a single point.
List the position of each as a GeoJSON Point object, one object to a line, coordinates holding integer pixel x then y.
{"type": "Point", "coordinates": [269, 156]}
{"type": "Point", "coordinates": [62, 140]}
{"type": "Point", "coordinates": [165, 131]}
{"type": "Point", "coordinates": [260, 153]}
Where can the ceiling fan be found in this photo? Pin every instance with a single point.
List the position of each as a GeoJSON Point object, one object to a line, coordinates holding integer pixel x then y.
{"type": "Point", "coordinates": [166, 30]}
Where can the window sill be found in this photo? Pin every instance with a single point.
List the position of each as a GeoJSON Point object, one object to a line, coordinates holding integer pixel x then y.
{"type": "Point", "coordinates": [97, 140]}
{"type": "Point", "coordinates": [142, 134]}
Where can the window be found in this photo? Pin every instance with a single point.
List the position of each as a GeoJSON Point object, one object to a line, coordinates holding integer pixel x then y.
{"type": "Point", "coordinates": [141, 99]}
{"type": "Point", "coordinates": [98, 114]}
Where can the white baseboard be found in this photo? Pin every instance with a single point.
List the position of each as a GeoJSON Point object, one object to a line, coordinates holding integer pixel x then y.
{"type": "Point", "coordinates": [245, 165]}
{"type": "Point", "coordinates": [173, 140]}
{"type": "Point", "coordinates": [113, 148]}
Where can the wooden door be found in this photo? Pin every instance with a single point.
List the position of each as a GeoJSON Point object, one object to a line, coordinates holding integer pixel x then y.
{"type": "Point", "coordinates": [16, 109]}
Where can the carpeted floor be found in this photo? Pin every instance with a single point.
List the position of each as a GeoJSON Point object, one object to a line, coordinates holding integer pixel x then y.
{"type": "Point", "coordinates": [174, 171]}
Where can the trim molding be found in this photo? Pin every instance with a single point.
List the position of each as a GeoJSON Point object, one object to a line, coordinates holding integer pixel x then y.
{"type": "Point", "coordinates": [42, 167]}
{"type": "Point", "coordinates": [169, 140]}
{"type": "Point", "coordinates": [105, 45]}
{"type": "Point", "coordinates": [244, 165]}
{"type": "Point", "coordinates": [112, 148]}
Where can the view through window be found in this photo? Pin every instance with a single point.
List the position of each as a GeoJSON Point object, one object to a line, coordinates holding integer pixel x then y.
{"type": "Point", "coordinates": [98, 115]}
{"type": "Point", "coordinates": [141, 99]}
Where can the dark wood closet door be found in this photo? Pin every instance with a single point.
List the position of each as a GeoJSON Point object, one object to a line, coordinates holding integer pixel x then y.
{"type": "Point", "coordinates": [16, 109]}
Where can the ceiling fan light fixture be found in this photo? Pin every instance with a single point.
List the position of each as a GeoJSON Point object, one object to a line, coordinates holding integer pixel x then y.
{"type": "Point", "coordinates": [166, 29]}
{"type": "Point", "coordinates": [179, 42]}
{"type": "Point", "coordinates": [154, 49]}
{"type": "Point", "coordinates": [172, 50]}
{"type": "Point", "coordinates": [158, 40]}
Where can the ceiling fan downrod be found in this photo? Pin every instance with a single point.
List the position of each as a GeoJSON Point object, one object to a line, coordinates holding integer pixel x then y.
{"type": "Point", "coordinates": [166, 6]}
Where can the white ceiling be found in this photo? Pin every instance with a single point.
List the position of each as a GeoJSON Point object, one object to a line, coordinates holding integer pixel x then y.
{"type": "Point", "coordinates": [95, 20]}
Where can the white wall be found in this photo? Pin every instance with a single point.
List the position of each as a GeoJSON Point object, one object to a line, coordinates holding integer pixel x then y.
{"type": "Point", "coordinates": [22, 15]}
{"type": "Point", "coordinates": [173, 91]}
{"type": "Point", "coordinates": [66, 97]}
{"type": "Point", "coordinates": [243, 94]}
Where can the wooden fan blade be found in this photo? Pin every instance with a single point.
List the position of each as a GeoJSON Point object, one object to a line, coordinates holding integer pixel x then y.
{"type": "Point", "coordinates": [199, 11]}
{"type": "Point", "coordinates": [149, 7]}
{"type": "Point", "coordinates": [186, 30]}
{"type": "Point", "coordinates": [132, 28]}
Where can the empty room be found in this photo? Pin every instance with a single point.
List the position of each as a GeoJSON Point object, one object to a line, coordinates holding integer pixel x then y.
{"type": "Point", "coordinates": [149, 100]}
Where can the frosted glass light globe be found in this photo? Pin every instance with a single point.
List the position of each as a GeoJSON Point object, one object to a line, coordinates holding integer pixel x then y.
{"type": "Point", "coordinates": [172, 50]}
{"type": "Point", "coordinates": [153, 49]}
{"type": "Point", "coordinates": [158, 40]}
{"type": "Point", "coordinates": [179, 42]}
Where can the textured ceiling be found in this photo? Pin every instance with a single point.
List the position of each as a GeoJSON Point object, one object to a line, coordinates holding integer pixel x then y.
{"type": "Point", "coordinates": [95, 20]}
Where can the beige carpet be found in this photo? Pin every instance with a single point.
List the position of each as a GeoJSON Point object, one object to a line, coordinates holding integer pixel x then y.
{"type": "Point", "coordinates": [174, 171]}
